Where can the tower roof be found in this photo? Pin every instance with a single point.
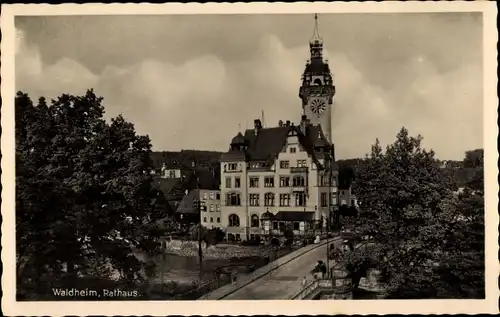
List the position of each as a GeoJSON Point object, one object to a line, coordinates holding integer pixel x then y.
{"type": "Point", "coordinates": [239, 139]}
{"type": "Point", "coordinates": [316, 38]}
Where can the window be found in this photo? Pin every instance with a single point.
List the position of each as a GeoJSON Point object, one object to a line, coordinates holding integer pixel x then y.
{"type": "Point", "coordinates": [284, 181]}
{"type": "Point", "coordinates": [171, 174]}
{"type": "Point", "coordinates": [284, 164]}
{"type": "Point", "coordinates": [238, 237]}
{"type": "Point", "coordinates": [299, 181]}
{"type": "Point", "coordinates": [293, 150]}
{"type": "Point", "coordinates": [300, 199]}
{"type": "Point", "coordinates": [211, 219]}
{"type": "Point", "coordinates": [218, 219]}
{"type": "Point", "coordinates": [254, 182]}
{"type": "Point", "coordinates": [258, 165]}
{"type": "Point", "coordinates": [233, 199]}
{"type": "Point", "coordinates": [218, 208]}
{"type": "Point", "coordinates": [342, 192]}
{"type": "Point", "coordinates": [269, 199]}
{"type": "Point", "coordinates": [230, 237]}
{"type": "Point", "coordinates": [234, 221]}
{"type": "Point", "coordinates": [296, 226]}
{"type": "Point", "coordinates": [232, 166]}
{"type": "Point", "coordinates": [217, 196]}
{"type": "Point", "coordinates": [228, 182]}
{"type": "Point", "coordinates": [237, 182]}
{"type": "Point", "coordinates": [343, 202]}
{"type": "Point", "coordinates": [321, 180]}
{"type": "Point", "coordinates": [284, 200]}
{"type": "Point", "coordinates": [269, 181]}
{"type": "Point", "coordinates": [212, 208]}
{"type": "Point", "coordinates": [353, 202]}
{"type": "Point", "coordinates": [254, 199]}
{"type": "Point", "coordinates": [204, 219]}
{"type": "Point", "coordinates": [324, 200]}
{"type": "Point", "coordinates": [334, 200]}
{"type": "Point", "coordinates": [205, 196]}
{"type": "Point", "coordinates": [212, 195]}
{"type": "Point", "coordinates": [301, 163]}
{"type": "Point", "coordinates": [275, 225]}
{"type": "Point", "coordinates": [254, 222]}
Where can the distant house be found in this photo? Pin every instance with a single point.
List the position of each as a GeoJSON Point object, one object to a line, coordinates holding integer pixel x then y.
{"type": "Point", "coordinates": [208, 212]}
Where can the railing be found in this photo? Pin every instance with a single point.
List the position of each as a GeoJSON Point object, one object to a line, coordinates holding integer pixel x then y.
{"type": "Point", "coordinates": [335, 285]}
{"type": "Point", "coordinates": [299, 169]}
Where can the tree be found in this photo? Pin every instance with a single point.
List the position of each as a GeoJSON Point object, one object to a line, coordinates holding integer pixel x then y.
{"type": "Point", "coordinates": [474, 158]}
{"type": "Point", "coordinates": [84, 194]}
{"type": "Point", "coordinates": [409, 213]}
{"type": "Point", "coordinates": [288, 234]}
{"type": "Point", "coordinates": [209, 236]}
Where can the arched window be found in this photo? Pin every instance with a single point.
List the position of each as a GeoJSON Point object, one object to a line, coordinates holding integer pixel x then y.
{"type": "Point", "coordinates": [254, 221]}
{"type": "Point", "coordinates": [233, 199]}
{"type": "Point", "coordinates": [269, 199]}
{"type": "Point", "coordinates": [234, 221]}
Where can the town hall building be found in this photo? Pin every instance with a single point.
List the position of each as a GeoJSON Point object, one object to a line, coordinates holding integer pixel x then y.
{"type": "Point", "coordinates": [285, 176]}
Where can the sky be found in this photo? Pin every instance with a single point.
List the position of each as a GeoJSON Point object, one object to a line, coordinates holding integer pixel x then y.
{"type": "Point", "coordinates": [195, 81]}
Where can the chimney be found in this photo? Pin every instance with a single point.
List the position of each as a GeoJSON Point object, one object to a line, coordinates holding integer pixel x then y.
{"type": "Point", "coordinates": [257, 126]}
{"type": "Point", "coordinates": [280, 123]}
{"type": "Point", "coordinates": [303, 124]}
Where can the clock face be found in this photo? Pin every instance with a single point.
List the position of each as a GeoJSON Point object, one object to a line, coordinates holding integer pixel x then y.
{"type": "Point", "coordinates": [318, 105]}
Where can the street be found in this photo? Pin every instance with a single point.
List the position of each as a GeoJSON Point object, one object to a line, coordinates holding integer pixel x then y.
{"type": "Point", "coordinates": [285, 281]}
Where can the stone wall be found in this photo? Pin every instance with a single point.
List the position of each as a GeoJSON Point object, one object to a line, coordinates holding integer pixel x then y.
{"type": "Point", "coordinates": [220, 251]}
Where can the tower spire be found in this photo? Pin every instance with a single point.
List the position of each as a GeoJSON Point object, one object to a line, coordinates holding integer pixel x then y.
{"type": "Point", "coordinates": [316, 36]}
{"type": "Point", "coordinates": [316, 42]}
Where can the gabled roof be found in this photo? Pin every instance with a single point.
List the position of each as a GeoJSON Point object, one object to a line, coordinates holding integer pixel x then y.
{"type": "Point", "coordinates": [167, 185]}
{"type": "Point", "coordinates": [187, 205]}
{"type": "Point", "coordinates": [269, 142]}
{"type": "Point", "coordinates": [201, 178]}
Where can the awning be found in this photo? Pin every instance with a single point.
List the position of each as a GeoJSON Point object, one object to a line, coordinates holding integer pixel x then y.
{"type": "Point", "coordinates": [267, 216]}
{"type": "Point", "coordinates": [294, 216]}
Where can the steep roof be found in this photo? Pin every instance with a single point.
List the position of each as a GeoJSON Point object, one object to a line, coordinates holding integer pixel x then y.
{"type": "Point", "coordinates": [187, 205]}
{"type": "Point", "coordinates": [269, 142]}
{"type": "Point", "coordinates": [204, 178]}
{"type": "Point", "coordinates": [167, 185]}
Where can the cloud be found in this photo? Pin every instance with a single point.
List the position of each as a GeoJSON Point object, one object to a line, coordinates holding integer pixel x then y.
{"type": "Point", "coordinates": [200, 102]}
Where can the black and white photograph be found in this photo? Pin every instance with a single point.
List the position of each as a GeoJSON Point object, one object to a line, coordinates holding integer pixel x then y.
{"type": "Point", "coordinates": [167, 157]}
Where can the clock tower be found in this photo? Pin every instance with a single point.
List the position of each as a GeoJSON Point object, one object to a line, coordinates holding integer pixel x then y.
{"type": "Point", "coordinates": [317, 89]}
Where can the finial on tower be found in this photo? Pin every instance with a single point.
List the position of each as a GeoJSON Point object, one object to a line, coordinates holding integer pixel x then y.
{"type": "Point", "coordinates": [316, 37]}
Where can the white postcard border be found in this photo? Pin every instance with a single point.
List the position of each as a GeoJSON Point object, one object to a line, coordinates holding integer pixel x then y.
{"type": "Point", "coordinates": [281, 307]}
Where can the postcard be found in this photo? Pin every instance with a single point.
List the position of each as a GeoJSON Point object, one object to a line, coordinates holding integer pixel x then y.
{"type": "Point", "coordinates": [237, 159]}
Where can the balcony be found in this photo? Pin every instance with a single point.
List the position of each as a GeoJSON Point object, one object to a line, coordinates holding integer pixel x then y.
{"type": "Point", "coordinates": [299, 169]}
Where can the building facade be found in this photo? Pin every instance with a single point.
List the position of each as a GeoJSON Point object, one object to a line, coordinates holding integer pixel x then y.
{"type": "Point", "coordinates": [284, 176]}
{"type": "Point", "coordinates": [209, 210]}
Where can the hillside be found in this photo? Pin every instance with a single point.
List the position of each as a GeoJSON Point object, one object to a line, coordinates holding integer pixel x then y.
{"type": "Point", "coordinates": [185, 158]}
